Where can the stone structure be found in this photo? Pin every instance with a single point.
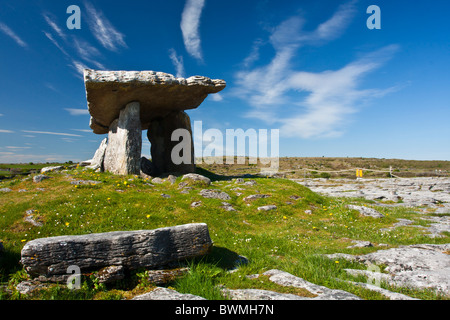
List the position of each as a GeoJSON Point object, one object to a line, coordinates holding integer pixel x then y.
{"type": "Point", "coordinates": [123, 103]}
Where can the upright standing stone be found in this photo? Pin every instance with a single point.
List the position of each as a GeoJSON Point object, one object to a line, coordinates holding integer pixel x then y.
{"type": "Point", "coordinates": [99, 156]}
{"type": "Point", "coordinates": [160, 135]}
{"type": "Point", "coordinates": [123, 153]}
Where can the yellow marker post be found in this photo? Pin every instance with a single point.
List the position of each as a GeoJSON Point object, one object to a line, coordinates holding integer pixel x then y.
{"type": "Point", "coordinates": [359, 173]}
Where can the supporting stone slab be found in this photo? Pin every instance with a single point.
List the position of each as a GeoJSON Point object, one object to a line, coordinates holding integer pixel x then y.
{"type": "Point", "coordinates": [123, 153]}
{"type": "Point", "coordinates": [163, 148]}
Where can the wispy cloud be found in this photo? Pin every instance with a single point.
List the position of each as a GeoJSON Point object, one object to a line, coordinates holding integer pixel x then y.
{"type": "Point", "coordinates": [50, 37]}
{"type": "Point", "coordinates": [17, 148]}
{"type": "Point", "coordinates": [78, 67]}
{"type": "Point", "coordinates": [316, 104]}
{"type": "Point", "coordinates": [7, 30]}
{"type": "Point", "coordinates": [51, 21]}
{"type": "Point", "coordinates": [82, 130]}
{"type": "Point", "coordinates": [190, 24]}
{"type": "Point", "coordinates": [53, 133]}
{"type": "Point", "coordinates": [6, 131]}
{"type": "Point", "coordinates": [77, 112]}
{"type": "Point", "coordinates": [177, 62]}
{"type": "Point", "coordinates": [87, 52]}
{"type": "Point", "coordinates": [103, 30]}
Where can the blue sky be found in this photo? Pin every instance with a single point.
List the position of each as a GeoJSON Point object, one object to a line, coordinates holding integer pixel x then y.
{"type": "Point", "coordinates": [311, 69]}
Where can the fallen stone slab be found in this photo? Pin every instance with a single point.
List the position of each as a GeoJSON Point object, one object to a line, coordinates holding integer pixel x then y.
{"type": "Point", "coordinates": [131, 249]}
{"type": "Point", "coordinates": [365, 211]}
{"type": "Point", "coordinates": [323, 293]}
{"type": "Point", "coordinates": [166, 294]}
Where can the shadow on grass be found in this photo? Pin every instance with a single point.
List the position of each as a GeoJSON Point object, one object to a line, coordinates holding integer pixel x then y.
{"type": "Point", "coordinates": [220, 257]}
{"type": "Point", "coordinates": [217, 177]}
{"type": "Point", "coordinates": [9, 263]}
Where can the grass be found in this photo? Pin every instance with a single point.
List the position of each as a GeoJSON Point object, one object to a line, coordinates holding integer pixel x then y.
{"type": "Point", "coordinates": [287, 238]}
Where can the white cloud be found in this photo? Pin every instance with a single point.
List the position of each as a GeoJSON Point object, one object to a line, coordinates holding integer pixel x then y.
{"type": "Point", "coordinates": [7, 30]}
{"type": "Point", "coordinates": [77, 112]}
{"type": "Point", "coordinates": [17, 148]}
{"type": "Point", "coordinates": [51, 22]}
{"type": "Point", "coordinates": [52, 133]}
{"type": "Point", "coordinates": [6, 131]}
{"type": "Point", "coordinates": [87, 52]}
{"type": "Point", "coordinates": [82, 130]}
{"type": "Point", "coordinates": [216, 97]}
{"type": "Point", "coordinates": [50, 37]}
{"type": "Point", "coordinates": [315, 104]}
{"type": "Point", "coordinates": [190, 24]}
{"type": "Point", "coordinates": [102, 29]}
{"type": "Point", "coordinates": [79, 67]}
{"type": "Point", "coordinates": [177, 62]}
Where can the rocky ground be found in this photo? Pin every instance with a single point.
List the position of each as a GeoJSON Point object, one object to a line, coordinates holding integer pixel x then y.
{"type": "Point", "coordinates": [422, 266]}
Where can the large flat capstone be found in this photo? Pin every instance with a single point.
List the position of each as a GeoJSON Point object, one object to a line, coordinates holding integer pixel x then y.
{"type": "Point", "coordinates": [158, 93]}
{"type": "Point", "coordinates": [149, 249]}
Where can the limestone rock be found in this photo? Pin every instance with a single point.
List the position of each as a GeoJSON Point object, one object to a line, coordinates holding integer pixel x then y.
{"type": "Point", "coordinates": [166, 294]}
{"type": "Point", "coordinates": [123, 152]}
{"type": "Point", "coordinates": [418, 266]}
{"type": "Point", "coordinates": [110, 274]}
{"type": "Point", "coordinates": [195, 177]}
{"type": "Point", "coordinates": [160, 277]}
{"type": "Point", "coordinates": [214, 194]}
{"type": "Point", "coordinates": [40, 177]}
{"type": "Point", "coordinates": [84, 182]}
{"type": "Point", "coordinates": [158, 93]}
{"type": "Point", "coordinates": [51, 169]}
{"type": "Point", "coordinates": [259, 294]}
{"type": "Point", "coordinates": [365, 211]}
{"type": "Point", "coordinates": [130, 249]}
{"type": "Point", "coordinates": [5, 190]}
{"type": "Point", "coordinates": [267, 208]}
{"type": "Point", "coordinates": [99, 156]}
{"type": "Point", "coordinates": [256, 196]}
{"type": "Point", "coordinates": [323, 293]}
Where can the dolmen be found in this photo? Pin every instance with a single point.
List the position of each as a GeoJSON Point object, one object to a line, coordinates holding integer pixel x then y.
{"type": "Point", "coordinates": [123, 103]}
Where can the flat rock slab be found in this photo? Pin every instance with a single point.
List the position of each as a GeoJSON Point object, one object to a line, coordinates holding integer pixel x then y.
{"type": "Point", "coordinates": [365, 211]}
{"type": "Point", "coordinates": [166, 294]}
{"type": "Point", "coordinates": [50, 257]}
{"type": "Point", "coordinates": [258, 294]}
{"type": "Point", "coordinates": [425, 266]}
{"type": "Point", "coordinates": [158, 93]}
{"type": "Point", "coordinates": [323, 293]}
{"type": "Point", "coordinates": [214, 194]}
